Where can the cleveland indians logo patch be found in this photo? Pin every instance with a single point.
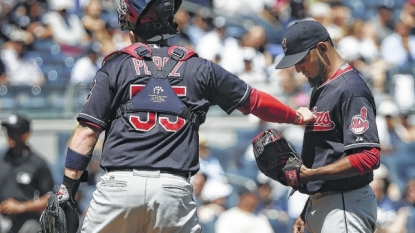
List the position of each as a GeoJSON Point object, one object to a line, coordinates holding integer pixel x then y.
{"type": "Point", "coordinates": [284, 45]}
{"type": "Point", "coordinates": [323, 121]}
{"type": "Point", "coordinates": [359, 123]}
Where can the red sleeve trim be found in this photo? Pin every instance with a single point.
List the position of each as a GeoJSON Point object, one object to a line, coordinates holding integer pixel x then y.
{"type": "Point", "coordinates": [365, 160]}
{"type": "Point", "coordinates": [93, 125]}
{"type": "Point", "coordinates": [267, 108]}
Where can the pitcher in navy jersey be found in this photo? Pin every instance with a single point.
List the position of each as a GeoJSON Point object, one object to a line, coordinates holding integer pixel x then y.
{"type": "Point", "coordinates": [150, 100]}
{"type": "Point", "coordinates": [341, 147]}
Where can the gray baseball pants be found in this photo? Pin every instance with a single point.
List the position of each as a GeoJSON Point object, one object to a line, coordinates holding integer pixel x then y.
{"type": "Point", "coordinates": [342, 212]}
{"type": "Point", "coordinates": [141, 201]}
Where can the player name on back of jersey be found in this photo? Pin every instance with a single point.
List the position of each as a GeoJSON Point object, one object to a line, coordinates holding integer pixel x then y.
{"type": "Point", "coordinates": [141, 68]}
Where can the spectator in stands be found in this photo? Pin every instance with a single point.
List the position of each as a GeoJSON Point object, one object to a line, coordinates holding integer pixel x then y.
{"type": "Point", "coordinates": [357, 44]}
{"type": "Point", "coordinates": [215, 193]}
{"type": "Point", "coordinates": [407, 120]}
{"type": "Point", "coordinates": [396, 154]}
{"type": "Point", "coordinates": [322, 12]}
{"type": "Point", "coordinates": [253, 76]}
{"type": "Point", "coordinates": [404, 91]}
{"type": "Point", "coordinates": [26, 16]}
{"type": "Point", "coordinates": [275, 209]}
{"type": "Point", "coordinates": [407, 15]}
{"type": "Point", "coordinates": [25, 178]}
{"type": "Point", "coordinates": [386, 208]}
{"type": "Point", "coordinates": [200, 24]}
{"type": "Point", "coordinates": [19, 69]}
{"type": "Point", "coordinates": [64, 27]}
{"type": "Point", "coordinates": [242, 218]}
{"type": "Point", "coordinates": [85, 68]}
{"type": "Point", "coordinates": [3, 76]}
{"type": "Point", "coordinates": [405, 221]}
{"type": "Point", "coordinates": [182, 19]}
{"type": "Point", "coordinates": [256, 38]}
{"type": "Point", "coordinates": [91, 19]}
{"type": "Point", "coordinates": [383, 21]}
{"type": "Point", "coordinates": [209, 164]}
{"type": "Point", "coordinates": [232, 57]}
{"type": "Point", "coordinates": [111, 37]}
{"type": "Point", "coordinates": [402, 43]}
{"type": "Point", "coordinates": [341, 17]}
{"type": "Point", "coordinates": [242, 7]}
{"type": "Point", "coordinates": [198, 181]}
{"type": "Point", "coordinates": [214, 42]}
{"type": "Point", "coordinates": [297, 10]}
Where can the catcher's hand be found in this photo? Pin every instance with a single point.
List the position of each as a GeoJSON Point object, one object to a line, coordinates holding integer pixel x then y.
{"type": "Point", "coordinates": [60, 214]}
{"type": "Point", "coordinates": [276, 158]}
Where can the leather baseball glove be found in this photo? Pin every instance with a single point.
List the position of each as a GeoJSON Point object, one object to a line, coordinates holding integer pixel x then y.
{"type": "Point", "coordinates": [61, 214]}
{"type": "Point", "coordinates": [276, 158]}
{"type": "Point", "coordinates": [53, 217]}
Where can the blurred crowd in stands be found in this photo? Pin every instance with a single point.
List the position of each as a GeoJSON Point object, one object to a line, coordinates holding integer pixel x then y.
{"type": "Point", "coordinates": [51, 50]}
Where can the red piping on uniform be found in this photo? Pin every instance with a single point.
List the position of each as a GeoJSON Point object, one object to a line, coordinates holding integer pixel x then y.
{"type": "Point", "coordinates": [267, 108]}
{"type": "Point", "coordinates": [343, 69]}
{"type": "Point", "coordinates": [365, 160]}
{"type": "Point", "coordinates": [93, 125]}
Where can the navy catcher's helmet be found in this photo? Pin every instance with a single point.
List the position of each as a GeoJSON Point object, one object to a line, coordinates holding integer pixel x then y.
{"type": "Point", "coordinates": [151, 20]}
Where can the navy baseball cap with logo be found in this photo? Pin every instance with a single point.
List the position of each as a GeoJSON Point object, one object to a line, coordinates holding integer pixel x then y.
{"type": "Point", "coordinates": [299, 39]}
{"type": "Point", "coordinates": [16, 124]}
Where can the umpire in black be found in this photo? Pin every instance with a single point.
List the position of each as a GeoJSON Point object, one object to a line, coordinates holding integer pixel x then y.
{"type": "Point", "coordinates": [25, 180]}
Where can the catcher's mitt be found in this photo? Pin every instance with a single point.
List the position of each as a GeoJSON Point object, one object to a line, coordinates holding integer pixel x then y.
{"type": "Point", "coordinates": [61, 214]}
{"type": "Point", "coordinates": [276, 158]}
{"type": "Point", "coordinates": [53, 218]}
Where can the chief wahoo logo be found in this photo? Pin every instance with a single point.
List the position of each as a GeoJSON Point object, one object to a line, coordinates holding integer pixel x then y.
{"type": "Point", "coordinates": [284, 45]}
{"type": "Point", "coordinates": [359, 123]}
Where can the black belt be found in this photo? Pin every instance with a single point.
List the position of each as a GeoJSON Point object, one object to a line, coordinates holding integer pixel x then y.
{"type": "Point", "coordinates": [173, 172]}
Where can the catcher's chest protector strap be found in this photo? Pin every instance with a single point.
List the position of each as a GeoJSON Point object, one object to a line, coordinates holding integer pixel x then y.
{"type": "Point", "coordinates": [158, 95]}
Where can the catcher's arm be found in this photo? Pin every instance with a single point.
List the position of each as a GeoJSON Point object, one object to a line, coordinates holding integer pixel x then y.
{"type": "Point", "coordinates": [270, 109]}
{"type": "Point", "coordinates": [78, 157]}
{"type": "Point", "coordinates": [82, 142]}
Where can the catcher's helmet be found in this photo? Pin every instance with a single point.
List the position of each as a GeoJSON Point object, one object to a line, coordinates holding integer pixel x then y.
{"type": "Point", "coordinates": [151, 20]}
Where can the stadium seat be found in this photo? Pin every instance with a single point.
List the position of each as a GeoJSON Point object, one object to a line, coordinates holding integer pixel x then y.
{"type": "Point", "coordinates": [30, 97]}
{"type": "Point", "coordinates": [7, 98]}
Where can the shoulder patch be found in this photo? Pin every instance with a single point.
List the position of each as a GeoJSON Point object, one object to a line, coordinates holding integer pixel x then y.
{"type": "Point", "coordinates": [359, 123]}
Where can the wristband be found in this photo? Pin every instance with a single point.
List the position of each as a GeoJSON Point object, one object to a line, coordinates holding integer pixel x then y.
{"type": "Point", "coordinates": [73, 185]}
{"type": "Point", "coordinates": [77, 161]}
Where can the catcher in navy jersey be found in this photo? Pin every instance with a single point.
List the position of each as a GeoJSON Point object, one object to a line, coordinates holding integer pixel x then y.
{"type": "Point", "coordinates": [341, 148]}
{"type": "Point", "coordinates": [150, 100]}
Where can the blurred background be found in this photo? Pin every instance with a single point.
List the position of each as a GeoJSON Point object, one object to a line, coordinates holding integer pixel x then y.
{"type": "Point", "coordinates": [51, 50]}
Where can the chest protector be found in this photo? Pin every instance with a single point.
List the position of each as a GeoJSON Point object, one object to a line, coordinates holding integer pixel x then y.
{"type": "Point", "coordinates": [157, 95]}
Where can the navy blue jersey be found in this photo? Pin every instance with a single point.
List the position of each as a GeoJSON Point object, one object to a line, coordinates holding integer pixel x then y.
{"type": "Point", "coordinates": [151, 139]}
{"type": "Point", "coordinates": [345, 111]}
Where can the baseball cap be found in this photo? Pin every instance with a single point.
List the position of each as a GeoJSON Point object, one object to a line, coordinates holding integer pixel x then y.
{"type": "Point", "coordinates": [299, 39]}
{"type": "Point", "coordinates": [16, 124]}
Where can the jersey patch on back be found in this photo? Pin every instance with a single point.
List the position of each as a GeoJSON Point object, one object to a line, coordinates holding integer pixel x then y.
{"type": "Point", "coordinates": [359, 123]}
